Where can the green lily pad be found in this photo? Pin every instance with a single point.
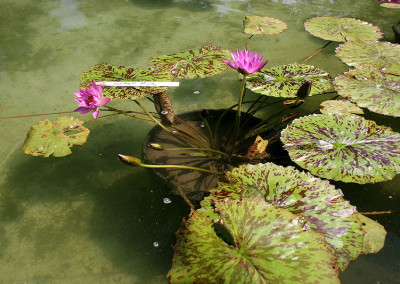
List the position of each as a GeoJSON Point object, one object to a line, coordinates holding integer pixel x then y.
{"type": "Point", "coordinates": [375, 234]}
{"type": "Point", "coordinates": [342, 29]}
{"type": "Point", "coordinates": [256, 25]}
{"type": "Point", "coordinates": [255, 242]}
{"type": "Point", "coordinates": [46, 138]}
{"type": "Point", "coordinates": [382, 55]}
{"type": "Point", "coordinates": [343, 147]}
{"type": "Point", "coordinates": [108, 72]}
{"type": "Point", "coordinates": [316, 200]}
{"type": "Point", "coordinates": [284, 81]}
{"type": "Point", "coordinates": [195, 63]}
{"type": "Point", "coordinates": [339, 107]}
{"type": "Point", "coordinates": [372, 89]}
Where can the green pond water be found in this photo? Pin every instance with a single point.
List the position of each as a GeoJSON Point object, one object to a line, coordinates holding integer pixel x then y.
{"type": "Point", "coordinates": [88, 218]}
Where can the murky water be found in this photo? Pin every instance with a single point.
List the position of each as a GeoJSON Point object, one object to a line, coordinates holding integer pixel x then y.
{"type": "Point", "coordinates": [87, 218]}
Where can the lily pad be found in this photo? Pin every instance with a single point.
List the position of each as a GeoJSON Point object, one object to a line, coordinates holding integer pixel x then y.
{"type": "Point", "coordinates": [262, 244]}
{"type": "Point", "coordinates": [342, 29]}
{"type": "Point", "coordinates": [284, 81]}
{"type": "Point", "coordinates": [195, 63]}
{"type": "Point", "coordinates": [257, 25]}
{"type": "Point", "coordinates": [342, 147]}
{"type": "Point", "coordinates": [108, 72]}
{"type": "Point", "coordinates": [382, 55]}
{"type": "Point", "coordinates": [316, 200]}
{"type": "Point", "coordinates": [375, 235]}
{"type": "Point", "coordinates": [46, 138]}
{"type": "Point", "coordinates": [372, 89]}
{"type": "Point", "coordinates": [339, 107]}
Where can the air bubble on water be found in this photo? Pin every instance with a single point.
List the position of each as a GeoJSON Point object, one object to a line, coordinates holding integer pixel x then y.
{"type": "Point", "coordinates": [390, 196]}
{"type": "Point", "coordinates": [156, 244]}
{"type": "Point", "coordinates": [166, 200]}
{"type": "Point", "coordinates": [164, 112]}
{"type": "Point", "coordinates": [196, 92]}
{"type": "Point", "coordinates": [174, 132]}
{"type": "Point", "coordinates": [174, 72]}
{"type": "Point", "coordinates": [202, 125]}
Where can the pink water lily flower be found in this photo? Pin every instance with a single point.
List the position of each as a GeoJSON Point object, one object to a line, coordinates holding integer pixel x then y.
{"type": "Point", "coordinates": [91, 100]}
{"type": "Point", "coordinates": [245, 62]}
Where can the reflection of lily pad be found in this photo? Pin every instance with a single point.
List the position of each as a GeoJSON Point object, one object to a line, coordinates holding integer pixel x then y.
{"type": "Point", "coordinates": [108, 72]}
{"type": "Point", "coordinates": [284, 81]}
{"type": "Point", "coordinates": [257, 25]}
{"type": "Point", "coordinates": [339, 107]}
{"type": "Point", "coordinates": [46, 138]}
{"type": "Point", "coordinates": [301, 193]}
{"type": "Point", "coordinates": [255, 243]}
{"type": "Point", "coordinates": [196, 63]}
{"type": "Point", "coordinates": [369, 88]}
{"type": "Point", "coordinates": [376, 54]}
{"type": "Point", "coordinates": [343, 147]}
{"type": "Point", "coordinates": [342, 29]}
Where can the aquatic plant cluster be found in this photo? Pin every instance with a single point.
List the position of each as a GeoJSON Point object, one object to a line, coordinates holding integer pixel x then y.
{"type": "Point", "coordinates": [263, 222]}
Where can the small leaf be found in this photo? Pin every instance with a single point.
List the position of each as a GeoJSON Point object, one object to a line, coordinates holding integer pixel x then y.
{"type": "Point", "coordinates": [375, 234]}
{"type": "Point", "coordinates": [339, 107]}
{"type": "Point", "coordinates": [257, 150]}
{"type": "Point", "coordinates": [257, 25]}
{"type": "Point", "coordinates": [46, 138]}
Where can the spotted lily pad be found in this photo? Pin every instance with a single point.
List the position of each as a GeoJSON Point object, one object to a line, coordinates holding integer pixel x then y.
{"type": "Point", "coordinates": [256, 25]}
{"type": "Point", "coordinates": [255, 242]}
{"type": "Point", "coordinates": [108, 72]}
{"type": "Point", "coordinates": [342, 29]}
{"type": "Point", "coordinates": [284, 81]}
{"type": "Point", "coordinates": [382, 55]}
{"type": "Point", "coordinates": [316, 200]}
{"type": "Point", "coordinates": [46, 138]}
{"type": "Point", "coordinates": [340, 107]}
{"type": "Point", "coordinates": [372, 89]}
{"type": "Point", "coordinates": [195, 63]}
{"type": "Point", "coordinates": [343, 147]}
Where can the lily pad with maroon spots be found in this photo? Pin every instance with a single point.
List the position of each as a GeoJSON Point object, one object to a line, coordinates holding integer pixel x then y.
{"type": "Point", "coordinates": [257, 25]}
{"type": "Point", "coordinates": [342, 29]}
{"type": "Point", "coordinates": [285, 81]}
{"type": "Point", "coordinates": [195, 63]}
{"type": "Point", "coordinates": [254, 242]}
{"type": "Point", "coordinates": [344, 148]}
{"type": "Point", "coordinates": [372, 89]}
{"type": "Point", "coordinates": [381, 55]}
{"type": "Point", "coordinates": [46, 138]}
{"type": "Point", "coordinates": [108, 72]}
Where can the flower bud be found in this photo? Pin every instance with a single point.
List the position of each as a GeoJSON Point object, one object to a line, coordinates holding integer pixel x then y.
{"type": "Point", "coordinates": [304, 90]}
{"type": "Point", "coordinates": [130, 160]}
{"type": "Point", "coordinates": [204, 113]}
{"type": "Point", "coordinates": [156, 146]}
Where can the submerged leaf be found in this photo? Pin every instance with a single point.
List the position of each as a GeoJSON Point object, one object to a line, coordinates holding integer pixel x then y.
{"type": "Point", "coordinates": [285, 81]}
{"type": "Point", "coordinates": [342, 29]}
{"type": "Point", "coordinates": [268, 245]}
{"type": "Point", "coordinates": [372, 89]}
{"type": "Point", "coordinates": [339, 107]}
{"type": "Point", "coordinates": [375, 234]}
{"type": "Point", "coordinates": [108, 72]}
{"type": "Point", "coordinates": [257, 25]}
{"type": "Point", "coordinates": [46, 138]}
{"type": "Point", "coordinates": [343, 147]}
{"type": "Point", "coordinates": [195, 63]}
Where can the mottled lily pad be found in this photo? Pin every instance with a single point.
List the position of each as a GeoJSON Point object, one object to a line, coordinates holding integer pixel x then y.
{"type": "Point", "coordinates": [342, 29]}
{"type": "Point", "coordinates": [195, 63]}
{"type": "Point", "coordinates": [46, 138]}
{"type": "Point", "coordinates": [284, 81]}
{"type": "Point", "coordinates": [339, 107]}
{"type": "Point", "coordinates": [372, 89]}
{"type": "Point", "coordinates": [316, 200]}
{"type": "Point", "coordinates": [342, 147]}
{"type": "Point", "coordinates": [382, 55]}
{"type": "Point", "coordinates": [255, 242]}
{"type": "Point", "coordinates": [108, 72]}
{"type": "Point", "coordinates": [257, 25]}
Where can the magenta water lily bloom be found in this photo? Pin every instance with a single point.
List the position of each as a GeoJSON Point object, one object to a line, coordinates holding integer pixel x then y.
{"type": "Point", "coordinates": [245, 62]}
{"type": "Point", "coordinates": [91, 100]}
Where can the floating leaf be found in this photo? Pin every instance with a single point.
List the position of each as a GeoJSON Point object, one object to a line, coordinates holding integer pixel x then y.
{"type": "Point", "coordinates": [374, 238]}
{"type": "Point", "coordinates": [284, 81]}
{"type": "Point", "coordinates": [343, 147]}
{"type": "Point", "coordinates": [265, 245]}
{"type": "Point", "coordinates": [339, 107]}
{"type": "Point", "coordinates": [256, 25]}
{"type": "Point", "coordinates": [108, 72]}
{"type": "Point", "coordinates": [257, 150]}
{"type": "Point", "coordinates": [372, 89]}
{"type": "Point", "coordinates": [301, 193]}
{"type": "Point", "coordinates": [196, 63]}
{"type": "Point", "coordinates": [342, 29]}
{"type": "Point", "coordinates": [382, 55]}
{"type": "Point", "coordinates": [46, 138]}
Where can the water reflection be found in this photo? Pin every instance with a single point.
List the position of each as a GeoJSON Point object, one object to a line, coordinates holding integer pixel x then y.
{"type": "Point", "coordinates": [69, 15]}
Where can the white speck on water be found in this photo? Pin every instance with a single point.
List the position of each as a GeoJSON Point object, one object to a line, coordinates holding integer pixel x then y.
{"type": "Point", "coordinates": [196, 92]}
{"type": "Point", "coordinates": [166, 200]}
{"type": "Point", "coordinates": [156, 244]}
{"type": "Point", "coordinates": [390, 196]}
{"type": "Point", "coordinates": [202, 125]}
{"type": "Point", "coordinates": [164, 112]}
